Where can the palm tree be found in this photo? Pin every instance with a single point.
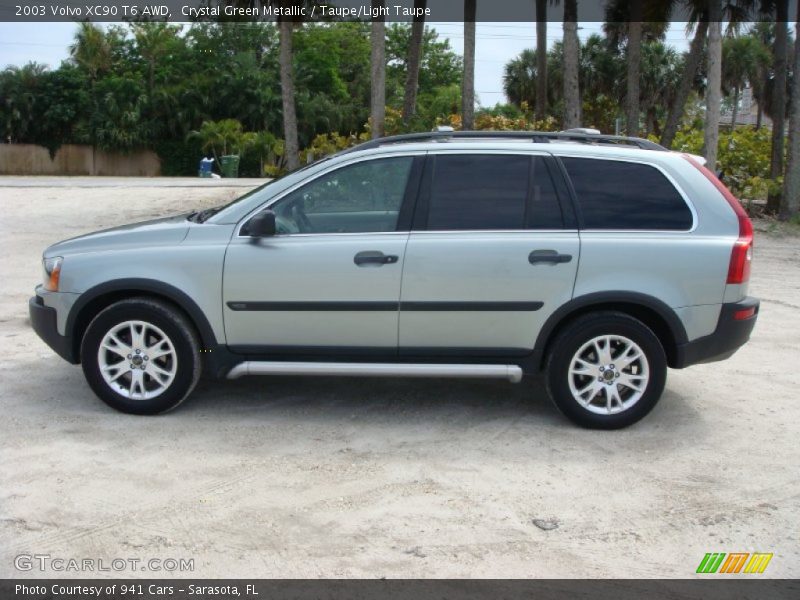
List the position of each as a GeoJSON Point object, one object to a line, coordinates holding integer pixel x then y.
{"type": "Point", "coordinates": [263, 145]}
{"type": "Point", "coordinates": [790, 206]}
{"type": "Point", "coordinates": [414, 60]}
{"type": "Point", "coordinates": [91, 50]}
{"type": "Point", "coordinates": [153, 42]}
{"type": "Point", "coordinates": [660, 73]}
{"type": "Point", "coordinates": [220, 137]}
{"type": "Point", "coordinates": [714, 84]}
{"type": "Point", "coordinates": [742, 60]}
{"type": "Point", "coordinates": [291, 143]}
{"type": "Point", "coordinates": [468, 80]}
{"type": "Point", "coordinates": [764, 32]}
{"type": "Point", "coordinates": [572, 96]}
{"type": "Point", "coordinates": [541, 60]}
{"type": "Point", "coordinates": [522, 79]}
{"type": "Point", "coordinates": [778, 97]}
{"type": "Point", "coordinates": [378, 71]}
{"type": "Point", "coordinates": [634, 62]}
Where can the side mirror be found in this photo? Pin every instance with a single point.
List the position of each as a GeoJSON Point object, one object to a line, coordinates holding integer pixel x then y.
{"type": "Point", "coordinates": [262, 225]}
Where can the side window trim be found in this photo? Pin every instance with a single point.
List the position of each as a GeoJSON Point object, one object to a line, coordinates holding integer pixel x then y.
{"type": "Point", "coordinates": [570, 211]}
{"type": "Point", "coordinates": [417, 157]}
{"type": "Point", "coordinates": [411, 194]}
{"type": "Point", "coordinates": [420, 219]}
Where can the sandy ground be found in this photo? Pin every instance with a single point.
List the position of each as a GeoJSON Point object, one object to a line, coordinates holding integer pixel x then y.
{"type": "Point", "coordinates": [286, 477]}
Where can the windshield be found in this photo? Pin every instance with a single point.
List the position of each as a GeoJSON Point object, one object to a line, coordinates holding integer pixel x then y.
{"type": "Point", "coordinates": [199, 216]}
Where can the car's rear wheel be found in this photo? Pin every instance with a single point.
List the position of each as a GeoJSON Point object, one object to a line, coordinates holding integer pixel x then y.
{"type": "Point", "coordinates": [141, 356]}
{"type": "Point", "coordinates": [606, 370]}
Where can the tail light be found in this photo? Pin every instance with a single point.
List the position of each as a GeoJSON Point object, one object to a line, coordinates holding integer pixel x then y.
{"type": "Point", "coordinates": [742, 253]}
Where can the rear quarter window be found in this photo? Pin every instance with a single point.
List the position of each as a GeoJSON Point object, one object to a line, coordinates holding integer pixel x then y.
{"type": "Point", "coordinates": [614, 194]}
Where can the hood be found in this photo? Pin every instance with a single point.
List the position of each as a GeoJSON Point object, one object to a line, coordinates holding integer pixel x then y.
{"type": "Point", "coordinates": [169, 230]}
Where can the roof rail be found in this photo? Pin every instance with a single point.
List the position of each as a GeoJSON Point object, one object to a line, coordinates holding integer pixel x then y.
{"type": "Point", "coordinates": [536, 137]}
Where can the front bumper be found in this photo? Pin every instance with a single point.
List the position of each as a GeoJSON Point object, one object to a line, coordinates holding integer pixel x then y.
{"type": "Point", "coordinates": [732, 333]}
{"type": "Point", "coordinates": [43, 321]}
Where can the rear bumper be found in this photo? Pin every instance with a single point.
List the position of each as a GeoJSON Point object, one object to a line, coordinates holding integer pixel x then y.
{"type": "Point", "coordinates": [43, 321]}
{"type": "Point", "coordinates": [732, 333]}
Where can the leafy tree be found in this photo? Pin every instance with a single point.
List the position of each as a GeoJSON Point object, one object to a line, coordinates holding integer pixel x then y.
{"type": "Point", "coordinates": [440, 67]}
{"type": "Point", "coordinates": [19, 89]}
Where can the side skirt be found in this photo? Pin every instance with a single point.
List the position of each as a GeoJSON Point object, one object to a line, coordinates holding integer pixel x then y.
{"type": "Point", "coordinates": [511, 373]}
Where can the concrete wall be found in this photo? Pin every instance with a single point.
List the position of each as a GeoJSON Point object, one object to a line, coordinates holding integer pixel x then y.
{"type": "Point", "coordinates": [29, 159]}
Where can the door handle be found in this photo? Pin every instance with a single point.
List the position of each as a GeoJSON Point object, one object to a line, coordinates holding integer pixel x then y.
{"type": "Point", "coordinates": [374, 257]}
{"type": "Point", "coordinates": [548, 256]}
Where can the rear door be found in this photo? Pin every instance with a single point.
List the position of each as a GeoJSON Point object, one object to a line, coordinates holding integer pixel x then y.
{"type": "Point", "coordinates": [493, 252]}
{"type": "Point", "coordinates": [330, 279]}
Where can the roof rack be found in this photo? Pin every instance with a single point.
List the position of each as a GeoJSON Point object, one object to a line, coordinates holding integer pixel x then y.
{"type": "Point", "coordinates": [536, 137]}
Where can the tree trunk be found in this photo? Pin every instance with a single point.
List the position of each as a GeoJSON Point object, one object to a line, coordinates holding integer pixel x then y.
{"type": "Point", "coordinates": [291, 145]}
{"type": "Point", "coordinates": [759, 115]}
{"type": "Point", "coordinates": [572, 96]}
{"type": "Point", "coordinates": [378, 72]}
{"type": "Point", "coordinates": [790, 207]}
{"type": "Point", "coordinates": [654, 126]}
{"type": "Point", "coordinates": [735, 114]}
{"type": "Point", "coordinates": [714, 91]}
{"type": "Point", "coordinates": [413, 62]}
{"type": "Point", "coordinates": [634, 61]}
{"type": "Point", "coordinates": [540, 114]}
{"type": "Point", "coordinates": [468, 80]}
{"type": "Point", "coordinates": [685, 85]}
{"type": "Point", "coordinates": [778, 100]}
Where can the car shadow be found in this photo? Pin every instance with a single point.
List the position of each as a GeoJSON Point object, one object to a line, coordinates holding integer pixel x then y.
{"type": "Point", "coordinates": [60, 390]}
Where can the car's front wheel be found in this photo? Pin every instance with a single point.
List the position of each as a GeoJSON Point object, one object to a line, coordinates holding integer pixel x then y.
{"type": "Point", "coordinates": [606, 370]}
{"type": "Point", "coordinates": [141, 356]}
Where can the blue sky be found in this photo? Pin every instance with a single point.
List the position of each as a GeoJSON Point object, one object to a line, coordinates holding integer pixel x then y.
{"type": "Point", "coordinates": [496, 43]}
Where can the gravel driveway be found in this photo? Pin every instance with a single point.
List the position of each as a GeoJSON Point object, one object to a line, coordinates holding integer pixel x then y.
{"type": "Point", "coordinates": [293, 477]}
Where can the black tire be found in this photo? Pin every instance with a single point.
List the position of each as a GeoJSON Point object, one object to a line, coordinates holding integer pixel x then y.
{"type": "Point", "coordinates": [581, 331]}
{"type": "Point", "coordinates": [174, 325]}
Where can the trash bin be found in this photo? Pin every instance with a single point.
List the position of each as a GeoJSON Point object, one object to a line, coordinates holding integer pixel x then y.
{"type": "Point", "coordinates": [229, 165]}
{"type": "Point", "coordinates": [204, 170]}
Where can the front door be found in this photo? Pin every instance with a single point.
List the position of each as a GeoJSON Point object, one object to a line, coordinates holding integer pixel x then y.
{"type": "Point", "coordinates": [330, 278]}
{"type": "Point", "coordinates": [492, 255]}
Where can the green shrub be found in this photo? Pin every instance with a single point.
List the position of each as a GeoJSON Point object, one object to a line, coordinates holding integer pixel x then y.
{"type": "Point", "coordinates": [743, 157]}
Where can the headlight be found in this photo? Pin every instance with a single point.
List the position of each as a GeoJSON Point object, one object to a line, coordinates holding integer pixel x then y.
{"type": "Point", "coordinates": [52, 272]}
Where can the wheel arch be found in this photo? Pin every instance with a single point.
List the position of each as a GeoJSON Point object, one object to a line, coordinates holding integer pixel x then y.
{"type": "Point", "coordinates": [651, 311]}
{"type": "Point", "coordinates": [97, 298]}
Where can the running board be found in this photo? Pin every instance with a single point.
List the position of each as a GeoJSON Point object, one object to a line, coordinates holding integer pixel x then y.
{"type": "Point", "coordinates": [511, 373]}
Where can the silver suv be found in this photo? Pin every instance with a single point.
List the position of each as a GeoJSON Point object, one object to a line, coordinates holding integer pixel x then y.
{"type": "Point", "coordinates": [594, 260]}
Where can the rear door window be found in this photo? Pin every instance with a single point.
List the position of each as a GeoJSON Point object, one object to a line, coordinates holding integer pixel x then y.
{"type": "Point", "coordinates": [615, 194]}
